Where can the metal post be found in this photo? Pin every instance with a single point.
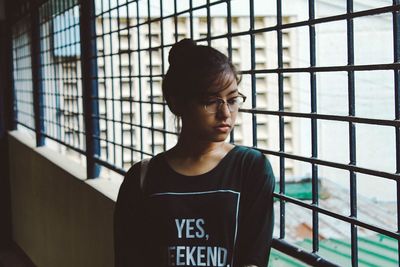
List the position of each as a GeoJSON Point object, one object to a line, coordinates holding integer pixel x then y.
{"type": "Point", "coordinates": [90, 85]}
{"type": "Point", "coordinates": [37, 75]}
{"type": "Point", "coordinates": [352, 134]}
{"type": "Point", "coordinates": [281, 119]}
{"type": "Point", "coordinates": [396, 59]}
{"type": "Point", "coordinates": [314, 125]}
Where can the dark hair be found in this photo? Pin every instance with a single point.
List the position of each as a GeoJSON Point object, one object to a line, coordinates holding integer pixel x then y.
{"type": "Point", "coordinates": [193, 69]}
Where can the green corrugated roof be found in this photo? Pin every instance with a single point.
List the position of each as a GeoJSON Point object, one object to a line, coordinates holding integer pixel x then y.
{"type": "Point", "coordinates": [299, 189]}
{"type": "Point", "coordinates": [378, 250]}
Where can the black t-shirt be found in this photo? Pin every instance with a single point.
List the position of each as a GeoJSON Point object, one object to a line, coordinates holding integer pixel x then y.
{"type": "Point", "coordinates": [223, 217]}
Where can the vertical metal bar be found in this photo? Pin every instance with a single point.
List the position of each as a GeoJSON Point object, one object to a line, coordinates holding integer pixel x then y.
{"type": "Point", "coordinates": [163, 61]}
{"type": "Point", "coordinates": [58, 66]}
{"type": "Point", "coordinates": [11, 123]}
{"type": "Point", "coordinates": [176, 20]}
{"type": "Point", "coordinates": [151, 78]}
{"type": "Point", "coordinates": [352, 133]}
{"type": "Point", "coordinates": [191, 18]}
{"type": "Point", "coordinates": [396, 59]}
{"type": "Point", "coordinates": [121, 101]}
{"type": "Point", "coordinates": [64, 77]}
{"type": "Point", "coordinates": [314, 144]}
{"type": "Point", "coordinates": [80, 143]}
{"type": "Point", "coordinates": [104, 78]}
{"type": "Point", "coordinates": [281, 119]}
{"type": "Point", "coordinates": [128, 19]}
{"type": "Point", "coordinates": [89, 85]}
{"type": "Point", "coordinates": [51, 9]}
{"type": "Point", "coordinates": [56, 86]}
{"type": "Point", "coordinates": [140, 78]}
{"type": "Point", "coordinates": [74, 78]}
{"type": "Point", "coordinates": [51, 127]}
{"type": "Point", "coordinates": [229, 30]}
{"type": "Point", "coordinates": [112, 81]}
{"type": "Point", "coordinates": [253, 77]}
{"type": "Point", "coordinates": [37, 75]}
{"type": "Point", "coordinates": [208, 23]}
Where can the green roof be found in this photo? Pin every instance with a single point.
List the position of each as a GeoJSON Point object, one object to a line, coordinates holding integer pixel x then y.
{"type": "Point", "coordinates": [378, 250]}
{"type": "Point", "coordinates": [299, 189]}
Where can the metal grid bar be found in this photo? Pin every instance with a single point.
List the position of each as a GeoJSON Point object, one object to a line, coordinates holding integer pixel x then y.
{"type": "Point", "coordinates": [352, 134]}
{"type": "Point", "coordinates": [396, 58]}
{"type": "Point", "coordinates": [37, 76]}
{"type": "Point", "coordinates": [252, 75]}
{"type": "Point", "coordinates": [103, 101]}
{"type": "Point", "coordinates": [314, 134]}
{"type": "Point", "coordinates": [140, 80]}
{"type": "Point", "coordinates": [130, 63]}
{"type": "Point", "coordinates": [282, 183]}
{"type": "Point", "coordinates": [112, 78]}
{"type": "Point", "coordinates": [163, 65]}
{"type": "Point", "coordinates": [121, 102]}
{"type": "Point", "coordinates": [151, 75]}
{"type": "Point", "coordinates": [90, 86]}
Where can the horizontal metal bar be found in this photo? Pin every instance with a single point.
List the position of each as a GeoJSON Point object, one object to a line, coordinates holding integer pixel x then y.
{"type": "Point", "coordinates": [299, 253]}
{"type": "Point", "coordinates": [175, 14]}
{"type": "Point", "coordinates": [350, 219]}
{"type": "Point", "coordinates": [369, 12]}
{"type": "Point", "coordinates": [366, 67]}
{"type": "Point", "coordinates": [349, 167]}
{"type": "Point", "coordinates": [395, 123]}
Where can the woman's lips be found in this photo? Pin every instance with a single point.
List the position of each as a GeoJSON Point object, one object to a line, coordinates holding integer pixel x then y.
{"type": "Point", "coordinates": [223, 128]}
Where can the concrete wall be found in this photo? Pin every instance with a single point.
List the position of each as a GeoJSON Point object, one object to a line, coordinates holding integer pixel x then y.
{"type": "Point", "coordinates": [58, 218]}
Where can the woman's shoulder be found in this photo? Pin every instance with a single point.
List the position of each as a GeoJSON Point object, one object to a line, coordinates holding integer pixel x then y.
{"type": "Point", "coordinates": [252, 158]}
{"type": "Point", "coordinates": [249, 153]}
{"type": "Point", "coordinates": [133, 170]}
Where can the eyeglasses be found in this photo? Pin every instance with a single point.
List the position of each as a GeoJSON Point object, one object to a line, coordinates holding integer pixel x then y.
{"type": "Point", "coordinates": [234, 103]}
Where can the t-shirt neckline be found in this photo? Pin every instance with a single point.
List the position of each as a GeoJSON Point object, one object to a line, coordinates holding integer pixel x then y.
{"type": "Point", "coordinates": [220, 163]}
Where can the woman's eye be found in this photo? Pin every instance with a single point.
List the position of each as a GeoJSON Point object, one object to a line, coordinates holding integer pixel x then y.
{"type": "Point", "coordinates": [211, 102]}
{"type": "Point", "coordinates": [233, 100]}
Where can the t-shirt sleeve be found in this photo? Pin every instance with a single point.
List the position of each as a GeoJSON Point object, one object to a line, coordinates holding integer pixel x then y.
{"type": "Point", "coordinates": [128, 222]}
{"type": "Point", "coordinates": [257, 219]}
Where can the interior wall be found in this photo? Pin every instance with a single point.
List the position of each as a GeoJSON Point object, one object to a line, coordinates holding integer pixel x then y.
{"type": "Point", "coordinates": [58, 219]}
{"type": "Point", "coordinates": [5, 84]}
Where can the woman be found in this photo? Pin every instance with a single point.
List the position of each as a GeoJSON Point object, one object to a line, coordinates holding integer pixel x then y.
{"type": "Point", "coordinates": [204, 202]}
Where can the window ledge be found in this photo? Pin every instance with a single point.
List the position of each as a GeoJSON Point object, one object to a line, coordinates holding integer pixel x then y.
{"type": "Point", "coordinates": [108, 185]}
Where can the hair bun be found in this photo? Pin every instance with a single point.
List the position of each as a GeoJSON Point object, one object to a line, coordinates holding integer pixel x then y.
{"type": "Point", "coordinates": [181, 52]}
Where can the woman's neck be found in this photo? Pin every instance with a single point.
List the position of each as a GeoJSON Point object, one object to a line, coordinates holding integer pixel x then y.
{"type": "Point", "coordinates": [197, 149]}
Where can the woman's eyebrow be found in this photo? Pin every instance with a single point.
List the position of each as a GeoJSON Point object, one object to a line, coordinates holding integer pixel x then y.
{"type": "Point", "coordinates": [217, 93]}
{"type": "Point", "coordinates": [233, 91]}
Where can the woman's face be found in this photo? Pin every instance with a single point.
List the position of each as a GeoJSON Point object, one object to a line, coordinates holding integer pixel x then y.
{"type": "Point", "coordinates": [202, 125]}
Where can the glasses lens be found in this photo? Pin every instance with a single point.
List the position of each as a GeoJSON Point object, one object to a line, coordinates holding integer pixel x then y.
{"type": "Point", "coordinates": [233, 104]}
{"type": "Point", "coordinates": [212, 107]}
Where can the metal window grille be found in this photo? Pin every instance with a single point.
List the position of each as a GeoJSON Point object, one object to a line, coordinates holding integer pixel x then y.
{"type": "Point", "coordinates": [60, 69]}
{"type": "Point", "coordinates": [22, 82]}
{"type": "Point", "coordinates": [117, 54]}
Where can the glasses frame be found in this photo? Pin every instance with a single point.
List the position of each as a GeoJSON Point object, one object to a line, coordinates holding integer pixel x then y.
{"type": "Point", "coordinates": [222, 101]}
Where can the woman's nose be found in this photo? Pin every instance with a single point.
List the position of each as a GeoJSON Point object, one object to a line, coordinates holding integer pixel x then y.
{"type": "Point", "coordinates": [223, 110]}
